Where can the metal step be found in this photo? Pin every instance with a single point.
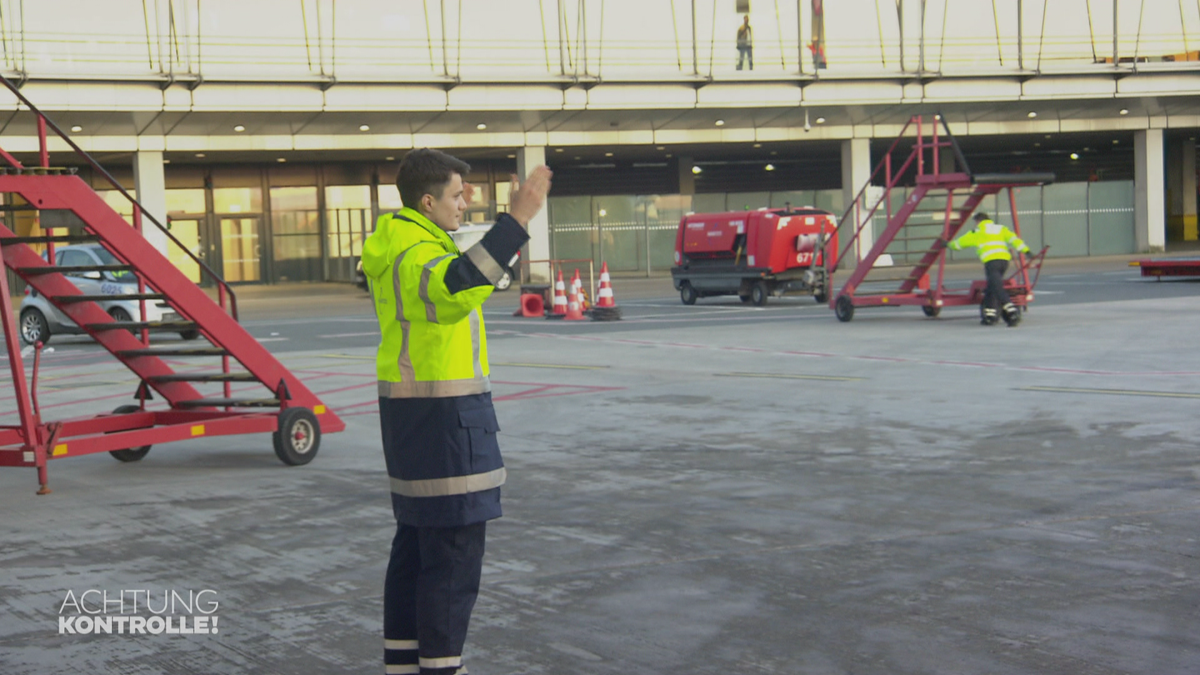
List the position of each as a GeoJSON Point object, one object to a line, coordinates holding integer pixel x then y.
{"type": "Point", "coordinates": [57, 239]}
{"type": "Point", "coordinates": [205, 377]}
{"type": "Point", "coordinates": [175, 351]}
{"type": "Point", "coordinates": [229, 403]}
{"type": "Point", "coordinates": [39, 171]}
{"type": "Point", "coordinates": [154, 326]}
{"type": "Point", "coordinates": [52, 269]}
{"type": "Point", "coordinates": [106, 298]}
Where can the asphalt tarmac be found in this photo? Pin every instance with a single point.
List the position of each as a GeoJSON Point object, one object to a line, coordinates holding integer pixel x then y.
{"type": "Point", "coordinates": [692, 490]}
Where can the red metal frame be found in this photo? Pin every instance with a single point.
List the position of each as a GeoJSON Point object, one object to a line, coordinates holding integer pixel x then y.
{"type": "Point", "coordinates": [916, 288]}
{"type": "Point", "coordinates": [34, 442]}
{"type": "Point", "coordinates": [1182, 267]}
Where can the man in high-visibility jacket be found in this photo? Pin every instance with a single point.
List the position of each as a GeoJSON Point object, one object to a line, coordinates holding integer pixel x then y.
{"type": "Point", "coordinates": [992, 241]}
{"type": "Point", "coordinates": [435, 403]}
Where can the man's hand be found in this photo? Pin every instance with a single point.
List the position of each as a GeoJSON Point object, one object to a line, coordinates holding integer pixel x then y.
{"type": "Point", "coordinates": [528, 199]}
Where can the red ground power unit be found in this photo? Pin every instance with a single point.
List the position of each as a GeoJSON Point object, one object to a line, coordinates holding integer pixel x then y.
{"type": "Point", "coordinates": [754, 254]}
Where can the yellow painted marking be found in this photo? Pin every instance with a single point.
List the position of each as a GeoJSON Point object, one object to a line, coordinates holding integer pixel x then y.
{"type": "Point", "coordinates": [550, 365]}
{"type": "Point", "coordinates": [885, 301]}
{"type": "Point", "coordinates": [198, 430]}
{"type": "Point", "coordinates": [317, 410]}
{"type": "Point", "coordinates": [59, 450]}
{"type": "Point", "coordinates": [1115, 392]}
{"type": "Point", "coordinates": [780, 376]}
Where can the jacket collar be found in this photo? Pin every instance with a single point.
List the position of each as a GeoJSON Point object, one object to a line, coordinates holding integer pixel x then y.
{"type": "Point", "coordinates": [415, 217]}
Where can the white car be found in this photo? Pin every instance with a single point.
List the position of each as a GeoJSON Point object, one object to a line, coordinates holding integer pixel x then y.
{"type": "Point", "coordinates": [40, 319]}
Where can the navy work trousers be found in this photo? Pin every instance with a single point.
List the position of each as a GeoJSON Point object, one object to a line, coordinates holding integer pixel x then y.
{"type": "Point", "coordinates": [994, 296]}
{"type": "Point", "coordinates": [431, 585]}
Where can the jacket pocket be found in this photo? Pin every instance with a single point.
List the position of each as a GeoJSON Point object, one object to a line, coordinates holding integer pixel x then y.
{"type": "Point", "coordinates": [481, 427]}
{"type": "Point", "coordinates": [479, 418]}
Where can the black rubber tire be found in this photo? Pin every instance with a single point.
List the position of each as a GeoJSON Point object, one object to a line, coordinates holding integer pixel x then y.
{"type": "Point", "coordinates": [505, 281]}
{"type": "Point", "coordinates": [119, 314]}
{"type": "Point", "coordinates": [189, 334]}
{"type": "Point", "coordinates": [298, 437]}
{"type": "Point", "coordinates": [34, 327]}
{"type": "Point", "coordinates": [687, 294]}
{"type": "Point", "coordinates": [844, 308]}
{"type": "Point", "coordinates": [931, 312]}
{"type": "Point", "coordinates": [744, 297]}
{"type": "Point", "coordinates": [758, 293]}
{"type": "Point", "coordinates": [129, 454]}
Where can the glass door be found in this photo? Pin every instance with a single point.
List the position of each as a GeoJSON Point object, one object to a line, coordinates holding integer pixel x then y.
{"type": "Point", "coordinates": [241, 255]}
{"type": "Point", "coordinates": [187, 231]}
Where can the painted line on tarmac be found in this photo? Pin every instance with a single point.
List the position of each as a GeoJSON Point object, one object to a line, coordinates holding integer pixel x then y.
{"type": "Point", "coordinates": [784, 376]}
{"type": "Point", "coordinates": [550, 365]}
{"type": "Point", "coordinates": [1113, 392]}
{"type": "Point", "coordinates": [859, 357]}
{"type": "Point", "coordinates": [374, 333]}
{"type": "Point", "coordinates": [351, 357]}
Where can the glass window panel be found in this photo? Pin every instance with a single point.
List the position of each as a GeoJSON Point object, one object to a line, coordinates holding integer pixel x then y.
{"type": "Point", "coordinates": [1064, 218]}
{"type": "Point", "coordinates": [347, 197]}
{"type": "Point", "coordinates": [239, 249]}
{"type": "Point", "coordinates": [186, 201]}
{"type": "Point", "coordinates": [1111, 218]}
{"type": "Point", "coordinates": [709, 203]}
{"type": "Point", "coordinates": [237, 200]}
{"type": "Point", "coordinates": [389, 198]}
{"type": "Point", "coordinates": [293, 198]}
{"type": "Point", "coordinates": [295, 222]}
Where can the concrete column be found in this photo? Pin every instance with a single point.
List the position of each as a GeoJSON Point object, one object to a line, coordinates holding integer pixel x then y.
{"type": "Point", "coordinates": [1149, 189]}
{"type": "Point", "coordinates": [856, 171]}
{"type": "Point", "coordinates": [538, 247]}
{"type": "Point", "coordinates": [1181, 191]}
{"type": "Point", "coordinates": [150, 182]}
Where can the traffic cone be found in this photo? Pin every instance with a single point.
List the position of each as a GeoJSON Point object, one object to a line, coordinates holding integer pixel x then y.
{"type": "Point", "coordinates": [574, 309]}
{"type": "Point", "coordinates": [604, 297]}
{"type": "Point", "coordinates": [577, 286]}
{"type": "Point", "coordinates": [560, 296]}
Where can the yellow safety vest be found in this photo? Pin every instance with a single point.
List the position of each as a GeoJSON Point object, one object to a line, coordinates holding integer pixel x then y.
{"type": "Point", "coordinates": [991, 241]}
{"type": "Point", "coordinates": [433, 343]}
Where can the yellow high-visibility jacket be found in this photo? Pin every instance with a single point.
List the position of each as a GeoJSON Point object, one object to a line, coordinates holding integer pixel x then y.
{"type": "Point", "coordinates": [991, 241]}
{"type": "Point", "coordinates": [428, 302]}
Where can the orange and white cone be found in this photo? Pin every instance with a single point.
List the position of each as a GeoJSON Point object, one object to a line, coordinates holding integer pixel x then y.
{"type": "Point", "coordinates": [560, 296]}
{"type": "Point", "coordinates": [604, 297]}
{"type": "Point", "coordinates": [577, 286]}
{"type": "Point", "coordinates": [574, 307]}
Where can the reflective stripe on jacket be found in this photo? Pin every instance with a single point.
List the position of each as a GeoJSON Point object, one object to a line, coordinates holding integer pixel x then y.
{"type": "Point", "coordinates": [433, 343]}
{"type": "Point", "coordinates": [991, 241]}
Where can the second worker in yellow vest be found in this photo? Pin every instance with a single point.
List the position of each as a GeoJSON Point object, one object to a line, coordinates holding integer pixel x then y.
{"type": "Point", "coordinates": [992, 241]}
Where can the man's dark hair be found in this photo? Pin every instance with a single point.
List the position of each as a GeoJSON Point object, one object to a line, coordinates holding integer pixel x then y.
{"type": "Point", "coordinates": [426, 172]}
{"type": "Point", "coordinates": [979, 217]}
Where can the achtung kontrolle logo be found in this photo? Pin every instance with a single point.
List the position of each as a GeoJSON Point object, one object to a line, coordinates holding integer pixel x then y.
{"type": "Point", "coordinates": [138, 612]}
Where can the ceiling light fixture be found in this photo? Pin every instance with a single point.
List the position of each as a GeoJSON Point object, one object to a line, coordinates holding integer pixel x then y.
{"type": "Point", "coordinates": [239, 128]}
{"type": "Point", "coordinates": [720, 123]}
{"type": "Point", "coordinates": [769, 167]}
{"type": "Point", "coordinates": [389, 159]}
{"type": "Point", "coordinates": [1032, 114]}
{"type": "Point", "coordinates": [481, 126]}
{"type": "Point", "coordinates": [558, 149]}
{"type": "Point", "coordinates": [364, 127]}
{"type": "Point", "coordinates": [1074, 155]}
{"type": "Point", "coordinates": [820, 120]}
{"type": "Point", "coordinates": [511, 156]}
{"type": "Point", "coordinates": [76, 129]}
{"type": "Point", "coordinates": [608, 154]}
{"type": "Point", "coordinates": [696, 170]}
{"type": "Point", "coordinates": [281, 160]}
{"type": "Point", "coordinates": [660, 147]}
{"type": "Point", "coordinates": [758, 145]}
{"type": "Point", "coordinates": [200, 155]}
{"type": "Point", "coordinates": [1124, 111]}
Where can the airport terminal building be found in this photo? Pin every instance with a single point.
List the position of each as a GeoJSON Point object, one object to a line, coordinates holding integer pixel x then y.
{"type": "Point", "coordinates": [268, 133]}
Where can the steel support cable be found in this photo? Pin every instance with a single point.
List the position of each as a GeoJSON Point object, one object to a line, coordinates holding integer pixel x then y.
{"type": "Point", "coordinates": [600, 50]}
{"type": "Point", "coordinates": [1042, 37]}
{"type": "Point", "coordinates": [320, 47]}
{"type": "Point", "coordinates": [172, 36]}
{"type": "Point", "coordinates": [996, 21]}
{"type": "Point", "coordinates": [1091, 28]}
{"type": "Point", "coordinates": [1183, 28]}
{"type": "Point", "coordinates": [712, 41]}
{"type": "Point", "coordinates": [4, 34]}
{"type": "Point", "coordinates": [545, 36]}
{"type": "Point", "coordinates": [428, 35]}
{"type": "Point", "coordinates": [304, 23]}
{"type": "Point", "coordinates": [458, 44]}
{"type": "Point", "coordinates": [675, 27]}
{"type": "Point", "coordinates": [1137, 43]}
{"type": "Point", "coordinates": [942, 43]}
{"type": "Point", "coordinates": [146, 22]}
{"type": "Point", "coordinates": [879, 25]}
{"type": "Point", "coordinates": [332, 42]}
{"type": "Point", "coordinates": [580, 37]}
{"type": "Point", "coordinates": [779, 29]}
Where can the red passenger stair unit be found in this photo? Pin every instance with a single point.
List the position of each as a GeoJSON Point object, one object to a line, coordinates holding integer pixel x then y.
{"type": "Point", "coordinates": [276, 401]}
{"type": "Point", "coordinates": [924, 198]}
